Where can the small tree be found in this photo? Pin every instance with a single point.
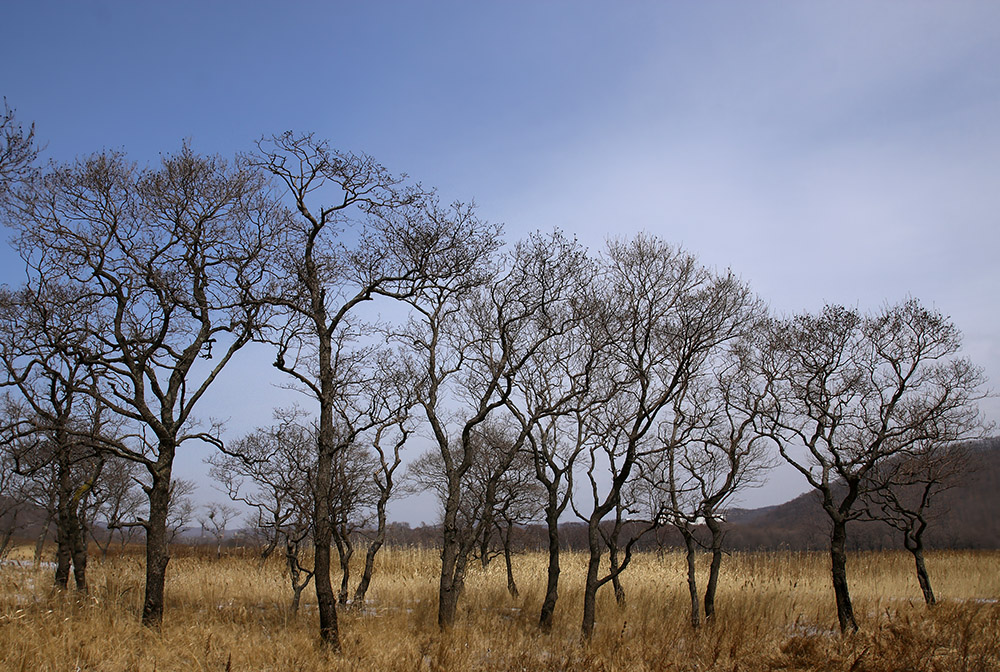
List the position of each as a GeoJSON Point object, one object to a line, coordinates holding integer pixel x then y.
{"type": "Point", "coordinates": [903, 493]}
{"type": "Point", "coordinates": [215, 519]}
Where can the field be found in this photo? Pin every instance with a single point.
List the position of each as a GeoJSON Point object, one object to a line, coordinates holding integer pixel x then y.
{"type": "Point", "coordinates": [775, 611]}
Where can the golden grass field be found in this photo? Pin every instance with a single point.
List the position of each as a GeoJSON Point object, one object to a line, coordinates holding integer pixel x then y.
{"type": "Point", "coordinates": [775, 611]}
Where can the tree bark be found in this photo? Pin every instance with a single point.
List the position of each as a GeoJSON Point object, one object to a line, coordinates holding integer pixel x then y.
{"type": "Point", "coordinates": [713, 572]}
{"type": "Point", "coordinates": [692, 582]}
{"type": "Point", "coordinates": [838, 557]}
{"type": "Point", "coordinates": [590, 588]}
{"type": "Point", "coordinates": [511, 585]}
{"type": "Point", "coordinates": [552, 578]}
{"type": "Point", "coordinates": [157, 555]}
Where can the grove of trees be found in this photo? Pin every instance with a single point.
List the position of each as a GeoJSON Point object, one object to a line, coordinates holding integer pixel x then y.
{"type": "Point", "coordinates": [631, 387]}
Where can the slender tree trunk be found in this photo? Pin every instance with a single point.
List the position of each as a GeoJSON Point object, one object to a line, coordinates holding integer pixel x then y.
{"type": "Point", "coordinates": [157, 555]}
{"type": "Point", "coordinates": [713, 572]}
{"type": "Point", "coordinates": [78, 547]}
{"type": "Point", "coordinates": [373, 549]}
{"type": "Point", "coordinates": [453, 567]}
{"type": "Point", "coordinates": [692, 582]}
{"type": "Point", "coordinates": [511, 586]}
{"type": "Point", "coordinates": [295, 573]}
{"type": "Point", "coordinates": [64, 548]}
{"type": "Point", "coordinates": [590, 587]}
{"type": "Point", "coordinates": [838, 557]}
{"type": "Point", "coordinates": [916, 547]}
{"type": "Point", "coordinates": [615, 581]}
{"type": "Point", "coordinates": [40, 540]}
{"type": "Point", "coordinates": [552, 580]}
{"type": "Point", "coordinates": [345, 550]}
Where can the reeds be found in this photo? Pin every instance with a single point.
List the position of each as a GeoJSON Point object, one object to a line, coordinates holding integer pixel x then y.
{"type": "Point", "coordinates": [774, 611]}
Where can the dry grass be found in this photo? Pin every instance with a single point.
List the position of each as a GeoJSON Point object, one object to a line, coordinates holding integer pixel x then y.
{"type": "Point", "coordinates": [774, 612]}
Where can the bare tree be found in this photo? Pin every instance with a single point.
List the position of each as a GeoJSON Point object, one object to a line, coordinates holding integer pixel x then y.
{"type": "Point", "coordinates": [115, 500]}
{"type": "Point", "coordinates": [377, 237]}
{"type": "Point", "coordinates": [215, 519]}
{"type": "Point", "coordinates": [903, 492]}
{"type": "Point", "coordinates": [662, 315]}
{"type": "Point", "coordinates": [707, 449]}
{"type": "Point", "coordinates": [470, 337]}
{"type": "Point", "coordinates": [271, 470]}
{"type": "Point", "coordinates": [58, 423]}
{"type": "Point", "coordinates": [169, 259]}
{"type": "Point", "coordinates": [18, 151]}
{"type": "Point", "coordinates": [857, 390]}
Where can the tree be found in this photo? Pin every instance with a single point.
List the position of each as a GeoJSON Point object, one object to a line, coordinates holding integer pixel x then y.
{"type": "Point", "coordinates": [902, 492]}
{"type": "Point", "coordinates": [169, 260]}
{"type": "Point", "coordinates": [271, 470]}
{"type": "Point", "coordinates": [708, 449]}
{"type": "Point", "coordinates": [215, 519]}
{"type": "Point", "coordinates": [469, 338]}
{"type": "Point", "coordinates": [856, 391]}
{"type": "Point", "coordinates": [58, 426]}
{"type": "Point", "coordinates": [662, 316]}
{"type": "Point", "coordinates": [114, 503]}
{"type": "Point", "coordinates": [377, 237]}
{"type": "Point", "coordinates": [18, 151]}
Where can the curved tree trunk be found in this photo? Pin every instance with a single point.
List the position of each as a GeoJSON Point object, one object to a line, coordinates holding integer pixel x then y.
{"type": "Point", "coordinates": [838, 557]}
{"type": "Point", "coordinates": [552, 576]}
{"type": "Point", "coordinates": [511, 586]}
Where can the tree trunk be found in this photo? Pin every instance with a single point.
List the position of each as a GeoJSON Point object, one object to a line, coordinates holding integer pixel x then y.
{"type": "Point", "coordinates": [692, 582]}
{"type": "Point", "coordinates": [552, 581]}
{"type": "Point", "coordinates": [713, 572]}
{"type": "Point", "coordinates": [916, 548]}
{"type": "Point", "coordinates": [345, 550]}
{"type": "Point", "coordinates": [511, 586]}
{"type": "Point", "coordinates": [838, 557]}
{"type": "Point", "coordinates": [157, 555]}
{"type": "Point", "coordinates": [590, 588]}
{"type": "Point", "coordinates": [615, 581]}
{"type": "Point", "coordinates": [453, 565]}
{"type": "Point", "coordinates": [369, 568]}
{"type": "Point", "coordinates": [78, 547]}
{"type": "Point", "coordinates": [40, 540]}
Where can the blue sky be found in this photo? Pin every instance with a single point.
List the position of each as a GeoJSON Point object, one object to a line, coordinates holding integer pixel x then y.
{"type": "Point", "coordinates": [841, 152]}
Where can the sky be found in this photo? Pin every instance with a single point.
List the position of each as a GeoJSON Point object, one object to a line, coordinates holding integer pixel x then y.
{"type": "Point", "coordinates": [827, 152]}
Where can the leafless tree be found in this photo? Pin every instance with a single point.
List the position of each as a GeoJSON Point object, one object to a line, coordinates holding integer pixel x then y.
{"type": "Point", "coordinates": [115, 500]}
{"type": "Point", "coordinates": [708, 448]}
{"type": "Point", "coordinates": [168, 259]}
{"type": "Point", "coordinates": [18, 151]}
{"type": "Point", "coordinates": [375, 237]}
{"type": "Point", "coordinates": [662, 315]}
{"type": "Point", "coordinates": [470, 337]}
{"type": "Point", "coordinates": [903, 492]}
{"type": "Point", "coordinates": [857, 390]}
{"type": "Point", "coordinates": [215, 519]}
{"type": "Point", "coordinates": [58, 423]}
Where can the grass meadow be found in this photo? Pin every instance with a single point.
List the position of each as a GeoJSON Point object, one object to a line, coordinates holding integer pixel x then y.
{"type": "Point", "coordinates": [774, 611]}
